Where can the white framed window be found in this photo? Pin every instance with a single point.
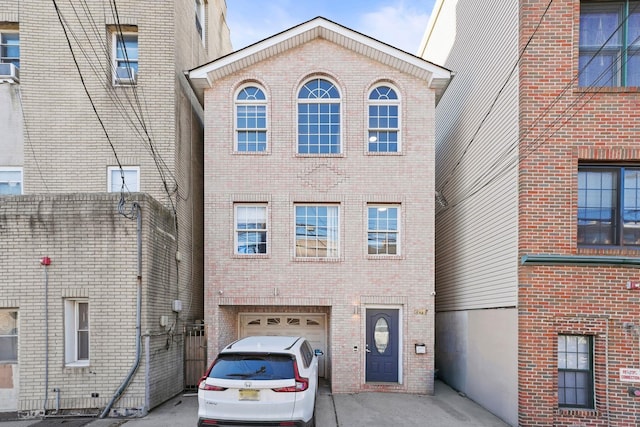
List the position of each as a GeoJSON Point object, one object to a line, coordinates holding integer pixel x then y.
{"type": "Point", "coordinates": [10, 180]}
{"type": "Point", "coordinates": [383, 229]}
{"type": "Point", "coordinates": [10, 47]}
{"type": "Point", "coordinates": [8, 335]}
{"type": "Point", "coordinates": [200, 18]}
{"type": "Point", "coordinates": [319, 118]}
{"type": "Point", "coordinates": [575, 371]}
{"type": "Point", "coordinates": [251, 229]}
{"type": "Point", "coordinates": [251, 120]}
{"type": "Point", "coordinates": [317, 231]}
{"type": "Point", "coordinates": [125, 58]}
{"type": "Point", "coordinates": [384, 120]}
{"type": "Point", "coordinates": [76, 332]}
{"type": "Point", "coordinates": [125, 179]}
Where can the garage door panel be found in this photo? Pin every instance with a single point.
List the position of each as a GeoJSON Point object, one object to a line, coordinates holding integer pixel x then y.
{"type": "Point", "coordinates": [310, 326]}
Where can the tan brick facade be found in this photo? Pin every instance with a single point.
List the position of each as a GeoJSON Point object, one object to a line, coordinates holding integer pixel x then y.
{"type": "Point", "coordinates": [65, 148]}
{"type": "Point", "coordinates": [346, 288]}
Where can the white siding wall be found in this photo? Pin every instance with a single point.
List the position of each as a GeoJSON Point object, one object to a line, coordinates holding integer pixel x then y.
{"type": "Point", "coordinates": [476, 234]}
{"type": "Point", "coordinates": [476, 238]}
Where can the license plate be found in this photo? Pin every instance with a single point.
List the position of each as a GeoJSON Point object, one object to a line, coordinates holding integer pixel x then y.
{"type": "Point", "coordinates": [249, 394]}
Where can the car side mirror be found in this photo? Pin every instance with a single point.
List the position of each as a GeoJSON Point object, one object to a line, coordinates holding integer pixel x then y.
{"type": "Point", "coordinates": [318, 352]}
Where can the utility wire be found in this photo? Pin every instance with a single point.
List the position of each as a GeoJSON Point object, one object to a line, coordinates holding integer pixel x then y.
{"type": "Point", "coordinates": [548, 109]}
{"type": "Point", "coordinates": [531, 148]}
{"type": "Point", "coordinates": [84, 85]}
{"type": "Point", "coordinates": [495, 99]}
{"type": "Point", "coordinates": [29, 142]}
{"type": "Point", "coordinates": [537, 142]}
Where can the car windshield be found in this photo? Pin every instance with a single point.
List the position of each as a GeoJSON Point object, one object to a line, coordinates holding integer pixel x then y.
{"type": "Point", "coordinates": [253, 366]}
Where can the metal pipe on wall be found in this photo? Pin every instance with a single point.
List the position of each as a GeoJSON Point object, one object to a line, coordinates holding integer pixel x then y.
{"type": "Point", "coordinates": [136, 363]}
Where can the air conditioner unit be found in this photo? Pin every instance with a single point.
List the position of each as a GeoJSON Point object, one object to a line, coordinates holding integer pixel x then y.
{"type": "Point", "coordinates": [9, 73]}
{"type": "Point", "coordinates": [126, 76]}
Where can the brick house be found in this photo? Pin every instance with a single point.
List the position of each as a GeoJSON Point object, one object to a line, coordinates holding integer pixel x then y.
{"type": "Point", "coordinates": [319, 201]}
{"type": "Point", "coordinates": [100, 200]}
{"type": "Point", "coordinates": [537, 165]}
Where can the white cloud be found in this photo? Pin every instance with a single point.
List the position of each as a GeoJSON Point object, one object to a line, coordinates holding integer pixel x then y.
{"type": "Point", "coordinates": [397, 25]}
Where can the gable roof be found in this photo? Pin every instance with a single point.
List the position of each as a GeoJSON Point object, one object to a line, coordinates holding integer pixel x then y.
{"type": "Point", "coordinates": [438, 77]}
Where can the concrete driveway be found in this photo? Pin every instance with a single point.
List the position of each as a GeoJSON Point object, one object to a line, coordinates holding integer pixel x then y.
{"type": "Point", "coordinates": [445, 408]}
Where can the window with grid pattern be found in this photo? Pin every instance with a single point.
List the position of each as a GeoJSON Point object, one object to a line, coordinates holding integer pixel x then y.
{"type": "Point", "coordinates": [608, 206]}
{"type": "Point", "coordinates": [384, 120]}
{"type": "Point", "coordinates": [251, 120]}
{"type": "Point", "coordinates": [575, 371]}
{"type": "Point", "coordinates": [319, 118]}
{"type": "Point", "coordinates": [609, 43]}
{"type": "Point", "coordinates": [382, 230]}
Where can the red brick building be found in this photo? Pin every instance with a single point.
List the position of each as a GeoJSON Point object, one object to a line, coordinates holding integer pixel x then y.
{"type": "Point", "coordinates": [538, 160]}
{"type": "Point", "coordinates": [319, 202]}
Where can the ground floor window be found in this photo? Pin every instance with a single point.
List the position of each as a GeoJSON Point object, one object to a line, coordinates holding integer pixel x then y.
{"type": "Point", "coordinates": [8, 336]}
{"type": "Point", "coordinates": [575, 371]}
{"type": "Point", "coordinates": [76, 339]}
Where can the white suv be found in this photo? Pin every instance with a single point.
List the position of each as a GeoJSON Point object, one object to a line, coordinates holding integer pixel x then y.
{"type": "Point", "coordinates": [261, 381]}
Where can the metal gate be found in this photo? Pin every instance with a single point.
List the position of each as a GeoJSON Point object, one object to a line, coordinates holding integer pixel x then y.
{"type": "Point", "coordinates": [195, 354]}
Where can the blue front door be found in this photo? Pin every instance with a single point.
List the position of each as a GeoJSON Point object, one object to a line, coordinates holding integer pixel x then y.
{"type": "Point", "coordinates": [382, 345]}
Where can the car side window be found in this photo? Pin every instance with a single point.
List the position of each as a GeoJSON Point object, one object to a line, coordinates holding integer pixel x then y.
{"type": "Point", "coordinates": [307, 354]}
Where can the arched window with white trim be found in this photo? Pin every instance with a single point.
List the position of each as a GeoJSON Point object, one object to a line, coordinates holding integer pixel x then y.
{"type": "Point", "coordinates": [319, 118]}
{"type": "Point", "coordinates": [251, 120]}
{"type": "Point", "coordinates": [384, 120]}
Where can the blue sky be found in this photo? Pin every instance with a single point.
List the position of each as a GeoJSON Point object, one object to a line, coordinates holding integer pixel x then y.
{"type": "Point", "coordinates": [400, 23]}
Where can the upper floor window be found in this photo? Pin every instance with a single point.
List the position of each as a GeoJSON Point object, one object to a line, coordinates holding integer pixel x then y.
{"type": "Point", "coordinates": [251, 120]}
{"type": "Point", "coordinates": [319, 118]}
{"type": "Point", "coordinates": [125, 58]}
{"type": "Point", "coordinates": [200, 17]}
{"type": "Point", "coordinates": [251, 229]}
{"type": "Point", "coordinates": [8, 335]}
{"type": "Point", "coordinates": [316, 231]}
{"type": "Point", "coordinates": [575, 371]}
{"type": "Point", "coordinates": [10, 48]}
{"type": "Point", "coordinates": [125, 179]}
{"type": "Point", "coordinates": [382, 229]}
{"type": "Point", "coordinates": [384, 121]}
{"type": "Point", "coordinates": [10, 180]}
{"type": "Point", "coordinates": [609, 43]}
{"type": "Point", "coordinates": [76, 332]}
{"type": "Point", "coordinates": [609, 206]}
{"type": "Point", "coordinates": [9, 56]}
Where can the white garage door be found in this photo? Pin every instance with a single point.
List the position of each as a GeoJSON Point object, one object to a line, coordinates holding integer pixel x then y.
{"type": "Point", "coordinates": [310, 326]}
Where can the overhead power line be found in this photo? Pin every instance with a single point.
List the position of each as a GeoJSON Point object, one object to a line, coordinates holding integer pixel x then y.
{"type": "Point", "coordinates": [560, 121]}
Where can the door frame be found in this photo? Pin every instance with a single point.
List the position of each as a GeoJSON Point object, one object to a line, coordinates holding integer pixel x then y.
{"type": "Point", "coordinates": [400, 337]}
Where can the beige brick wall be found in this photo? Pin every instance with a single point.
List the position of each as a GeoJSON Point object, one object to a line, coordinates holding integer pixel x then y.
{"type": "Point", "coordinates": [352, 180]}
{"type": "Point", "coordinates": [66, 151]}
{"type": "Point", "coordinates": [94, 255]}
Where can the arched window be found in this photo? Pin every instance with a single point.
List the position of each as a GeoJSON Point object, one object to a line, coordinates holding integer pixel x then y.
{"type": "Point", "coordinates": [251, 120]}
{"type": "Point", "coordinates": [384, 120]}
{"type": "Point", "coordinates": [319, 118]}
